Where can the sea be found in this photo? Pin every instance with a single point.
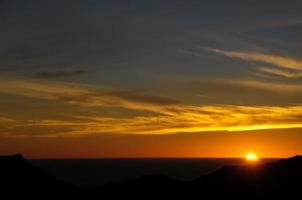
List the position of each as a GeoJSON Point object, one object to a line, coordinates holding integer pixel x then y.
{"type": "Point", "coordinates": [98, 172]}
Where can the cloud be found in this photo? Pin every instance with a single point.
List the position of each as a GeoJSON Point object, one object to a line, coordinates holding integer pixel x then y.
{"type": "Point", "coordinates": [280, 72]}
{"type": "Point", "coordinates": [277, 60]}
{"type": "Point", "coordinates": [284, 66]}
{"type": "Point", "coordinates": [6, 120]}
{"type": "Point", "coordinates": [258, 84]}
{"type": "Point", "coordinates": [161, 115]}
{"type": "Point", "coordinates": [184, 119]}
{"type": "Point", "coordinates": [85, 95]}
{"type": "Point", "coordinates": [58, 74]}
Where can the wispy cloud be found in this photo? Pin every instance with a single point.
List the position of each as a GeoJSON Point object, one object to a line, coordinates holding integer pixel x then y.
{"type": "Point", "coordinates": [183, 118]}
{"type": "Point", "coordinates": [161, 115]}
{"type": "Point", "coordinates": [85, 95]}
{"type": "Point", "coordinates": [258, 84]}
{"type": "Point", "coordinates": [280, 72]}
{"type": "Point", "coordinates": [277, 60]}
{"type": "Point", "coordinates": [284, 66]}
{"type": "Point", "coordinates": [6, 120]}
{"type": "Point", "coordinates": [57, 74]}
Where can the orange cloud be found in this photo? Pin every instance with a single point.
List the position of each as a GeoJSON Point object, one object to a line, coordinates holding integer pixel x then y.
{"type": "Point", "coordinates": [182, 118]}
{"type": "Point", "coordinates": [280, 61]}
{"type": "Point", "coordinates": [263, 85]}
{"type": "Point", "coordinates": [85, 95]}
{"type": "Point", "coordinates": [150, 114]}
{"type": "Point", "coordinates": [279, 72]}
{"type": "Point", "coordinates": [277, 60]}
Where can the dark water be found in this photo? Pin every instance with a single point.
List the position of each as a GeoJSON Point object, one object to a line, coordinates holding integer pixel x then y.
{"type": "Point", "coordinates": [103, 171]}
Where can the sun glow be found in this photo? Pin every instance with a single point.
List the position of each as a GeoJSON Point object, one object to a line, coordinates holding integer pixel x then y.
{"type": "Point", "coordinates": [251, 157]}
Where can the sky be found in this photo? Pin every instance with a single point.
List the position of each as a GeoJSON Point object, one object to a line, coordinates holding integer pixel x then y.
{"type": "Point", "coordinates": [161, 78]}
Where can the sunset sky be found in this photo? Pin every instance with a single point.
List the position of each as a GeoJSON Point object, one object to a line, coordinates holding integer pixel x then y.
{"type": "Point", "coordinates": [160, 78]}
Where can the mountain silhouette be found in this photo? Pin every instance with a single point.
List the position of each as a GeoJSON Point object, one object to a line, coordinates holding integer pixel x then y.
{"type": "Point", "coordinates": [281, 179]}
{"type": "Point", "coordinates": [268, 181]}
{"type": "Point", "coordinates": [19, 178]}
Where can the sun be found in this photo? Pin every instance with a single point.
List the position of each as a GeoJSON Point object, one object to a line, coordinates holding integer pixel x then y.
{"type": "Point", "coordinates": [251, 157]}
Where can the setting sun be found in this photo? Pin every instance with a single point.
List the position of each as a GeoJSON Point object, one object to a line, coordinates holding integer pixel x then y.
{"type": "Point", "coordinates": [251, 157]}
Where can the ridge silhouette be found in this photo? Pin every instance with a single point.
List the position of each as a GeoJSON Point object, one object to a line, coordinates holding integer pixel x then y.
{"type": "Point", "coordinates": [281, 179]}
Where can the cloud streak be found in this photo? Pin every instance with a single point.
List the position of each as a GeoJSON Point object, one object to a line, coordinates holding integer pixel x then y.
{"type": "Point", "coordinates": [278, 60]}
{"type": "Point", "coordinates": [280, 72]}
{"type": "Point", "coordinates": [257, 84]}
{"type": "Point", "coordinates": [58, 74]}
{"type": "Point", "coordinates": [160, 115]}
{"type": "Point", "coordinates": [183, 119]}
{"type": "Point", "coordinates": [285, 62]}
{"type": "Point", "coordinates": [85, 95]}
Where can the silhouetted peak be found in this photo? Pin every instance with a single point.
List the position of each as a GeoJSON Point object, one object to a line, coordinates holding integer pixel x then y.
{"type": "Point", "coordinates": [296, 158]}
{"type": "Point", "coordinates": [294, 161]}
{"type": "Point", "coordinates": [19, 175]}
{"type": "Point", "coordinates": [12, 158]}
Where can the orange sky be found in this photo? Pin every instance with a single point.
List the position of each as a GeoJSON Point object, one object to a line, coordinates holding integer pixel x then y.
{"type": "Point", "coordinates": [266, 143]}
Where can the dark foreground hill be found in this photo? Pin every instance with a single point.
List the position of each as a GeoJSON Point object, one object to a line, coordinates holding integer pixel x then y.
{"type": "Point", "coordinates": [282, 179]}
{"type": "Point", "coordinates": [19, 178]}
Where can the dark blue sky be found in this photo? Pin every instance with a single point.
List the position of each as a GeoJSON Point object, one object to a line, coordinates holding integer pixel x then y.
{"type": "Point", "coordinates": [146, 38]}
